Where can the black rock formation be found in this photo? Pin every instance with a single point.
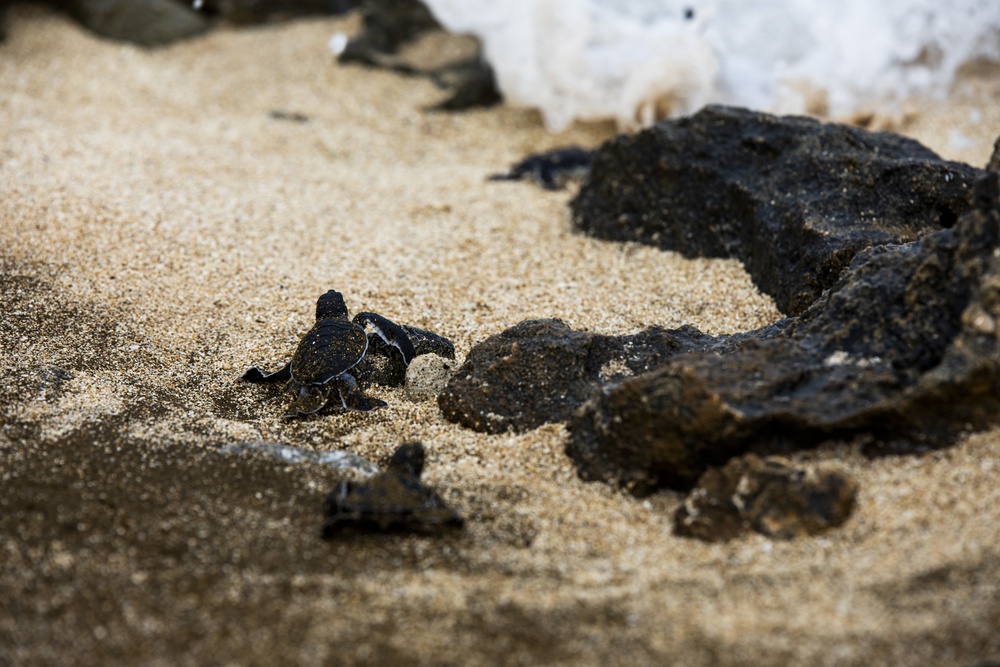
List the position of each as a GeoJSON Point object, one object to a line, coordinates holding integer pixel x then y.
{"type": "Point", "coordinates": [540, 371]}
{"type": "Point", "coordinates": [902, 349]}
{"type": "Point", "coordinates": [258, 11]}
{"type": "Point", "coordinates": [142, 22]}
{"type": "Point", "coordinates": [387, 26]}
{"type": "Point", "coordinates": [791, 198]}
{"type": "Point", "coordinates": [770, 496]}
{"type": "Point", "coordinates": [160, 22]}
{"type": "Point", "coordinates": [390, 25]}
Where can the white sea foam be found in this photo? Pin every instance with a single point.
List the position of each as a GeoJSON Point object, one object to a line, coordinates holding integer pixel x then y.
{"type": "Point", "coordinates": [639, 60]}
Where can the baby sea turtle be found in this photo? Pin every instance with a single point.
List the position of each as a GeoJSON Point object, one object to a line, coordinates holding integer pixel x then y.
{"type": "Point", "coordinates": [394, 500]}
{"type": "Point", "coordinates": [319, 369]}
{"type": "Point", "coordinates": [552, 169]}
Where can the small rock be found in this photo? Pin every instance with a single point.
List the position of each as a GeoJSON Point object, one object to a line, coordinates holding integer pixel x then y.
{"type": "Point", "coordinates": [258, 11]}
{"type": "Point", "coordinates": [395, 36]}
{"type": "Point", "coordinates": [427, 377]}
{"type": "Point", "coordinates": [142, 22]}
{"type": "Point", "coordinates": [770, 495]}
{"type": "Point", "coordinates": [394, 500]}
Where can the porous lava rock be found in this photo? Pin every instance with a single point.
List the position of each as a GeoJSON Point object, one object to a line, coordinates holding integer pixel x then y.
{"type": "Point", "coordinates": [771, 496]}
{"type": "Point", "coordinates": [142, 22]}
{"type": "Point", "coordinates": [454, 63]}
{"type": "Point", "coordinates": [259, 11]}
{"type": "Point", "coordinates": [902, 349]}
{"type": "Point", "coordinates": [792, 198]}
{"type": "Point", "coordinates": [387, 25]}
{"type": "Point", "coordinates": [540, 371]}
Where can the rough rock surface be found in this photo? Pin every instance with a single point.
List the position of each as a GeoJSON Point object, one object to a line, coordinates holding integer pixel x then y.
{"type": "Point", "coordinates": [903, 348]}
{"type": "Point", "coordinates": [540, 371]}
{"type": "Point", "coordinates": [792, 198]}
{"type": "Point", "coordinates": [388, 25]}
{"type": "Point", "coordinates": [453, 62]}
{"type": "Point", "coordinates": [143, 22]}
{"type": "Point", "coordinates": [770, 495]}
{"type": "Point", "coordinates": [257, 11]}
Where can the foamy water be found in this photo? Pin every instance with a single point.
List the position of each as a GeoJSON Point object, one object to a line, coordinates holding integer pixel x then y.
{"type": "Point", "coordinates": [637, 61]}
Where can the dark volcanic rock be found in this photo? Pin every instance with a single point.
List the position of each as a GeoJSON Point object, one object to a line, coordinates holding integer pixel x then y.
{"type": "Point", "coordinates": [387, 26]}
{"type": "Point", "coordinates": [391, 25]}
{"type": "Point", "coordinates": [791, 198]}
{"type": "Point", "coordinates": [395, 500]}
{"type": "Point", "coordinates": [903, 348]}
{"type": "Point", "coordinates": [770, 496]}
{"type": "Point", "coordinates": [471, 82]}
{"type": "Point", "coordinates": [257, 11]}
{"type": "Point", "coordinates": [540, 371]}
{"type": "Point", "coordinates": [160, 22]}
{"type": "Point", "coordinates": [143, 22]}
{"type": "Point", "coordinates": [994, 163]}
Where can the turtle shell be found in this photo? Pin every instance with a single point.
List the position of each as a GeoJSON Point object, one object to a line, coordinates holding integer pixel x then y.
{"type": "Point", "coordinates": [327, 350]}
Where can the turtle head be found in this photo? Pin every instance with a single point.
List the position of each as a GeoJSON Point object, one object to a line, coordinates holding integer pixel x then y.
{"type": "Point", "coordinates": [331, 306]}
{"type": "Point", "coordinates": [408, 459]}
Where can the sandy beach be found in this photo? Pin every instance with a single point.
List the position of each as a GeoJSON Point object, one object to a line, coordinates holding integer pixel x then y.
{"type": "Point", "coordinates": [161, 230]}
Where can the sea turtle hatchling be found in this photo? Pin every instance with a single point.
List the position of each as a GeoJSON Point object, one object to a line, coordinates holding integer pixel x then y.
{"type": "Point", "coordinates": [319, 369]}
{"type": "Point", "coordinates": [394, 500]}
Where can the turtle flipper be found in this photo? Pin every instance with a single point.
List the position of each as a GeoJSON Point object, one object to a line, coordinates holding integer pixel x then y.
{"type": "Point", "coordinates": [390, 332]}
{"type": "Point", "coordinates": [352, 398]}
{"type": "Point", "coordinates": [254, 374]}
{"type": "Point", "coordinates": [311, 399]}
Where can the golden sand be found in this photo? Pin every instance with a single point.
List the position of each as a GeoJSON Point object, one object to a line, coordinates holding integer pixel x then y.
{"type": "Point", "coordinates": [154, 192]}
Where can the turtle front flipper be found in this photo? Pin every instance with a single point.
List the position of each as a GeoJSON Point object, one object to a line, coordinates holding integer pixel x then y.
{"type": "Point", "coordinates": [352, 398]}
{"type": "Point", "coordinates": [311, 399]}
{"type": "Point", "coordinates": [254, 374]}
{"type": "Point", "coordinates": [390, 332]}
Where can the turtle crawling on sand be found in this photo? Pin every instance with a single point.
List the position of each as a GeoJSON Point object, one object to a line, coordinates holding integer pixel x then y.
{"type": "Point", "coordinates": [319, 369]}
{"type": "Point", "coordinates": [394, 500]}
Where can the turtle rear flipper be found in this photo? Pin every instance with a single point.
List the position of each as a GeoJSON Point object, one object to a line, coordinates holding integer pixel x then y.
{"type": "Point", "coordinates": [311, 399]}
{"type": "Point", "coordinates": [352, 398]}
{"type": "Point", "coordinates": [390, 332]}
{"type": "Point", "coordinates": [256, 375]}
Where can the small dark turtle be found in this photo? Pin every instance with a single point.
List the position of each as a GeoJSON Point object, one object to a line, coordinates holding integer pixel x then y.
{"type": "Point", "coordinates": [552, 169]}
{"type": "Point", "coordinates": [394, 500]}
{"type": "Point", "coordinates": [334, 345]}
